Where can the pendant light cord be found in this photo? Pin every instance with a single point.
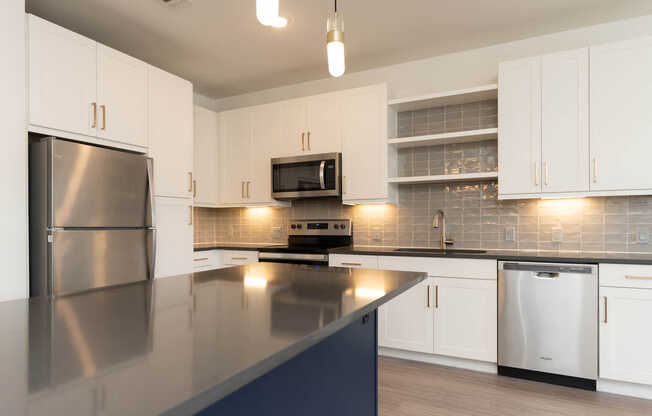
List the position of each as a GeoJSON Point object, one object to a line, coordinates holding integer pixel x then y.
{"type": "Point", "coordinates": [335, 6]}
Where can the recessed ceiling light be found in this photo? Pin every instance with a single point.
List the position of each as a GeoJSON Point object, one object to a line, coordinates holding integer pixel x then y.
{"type": "Point", "coordinates": [267, 13]}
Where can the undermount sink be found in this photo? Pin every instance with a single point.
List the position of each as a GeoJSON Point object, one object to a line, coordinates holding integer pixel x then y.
{"type": "Point", "coordinates": [441, 251]}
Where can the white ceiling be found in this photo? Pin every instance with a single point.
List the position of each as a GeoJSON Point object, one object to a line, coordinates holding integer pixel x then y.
{"type": "Point", "coordinates": [223, 50]}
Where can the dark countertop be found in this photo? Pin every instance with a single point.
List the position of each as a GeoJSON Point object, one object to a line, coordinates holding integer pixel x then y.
{"type": "Point", "coordinates": [175, 345]}
{"type": "Point", "coordinates": [509, 255]}
{"type": "Point", "coordinates": [231, 246]}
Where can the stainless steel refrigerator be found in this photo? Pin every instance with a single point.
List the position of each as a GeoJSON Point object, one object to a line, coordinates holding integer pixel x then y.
{"type": "Point", "coordinates": [91, 217]}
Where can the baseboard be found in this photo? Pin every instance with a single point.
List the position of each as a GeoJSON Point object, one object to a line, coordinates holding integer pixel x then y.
{"type": "Point", "coordinates": [481, 366]}
{"type": "Point", "coordinates": [623, 388]}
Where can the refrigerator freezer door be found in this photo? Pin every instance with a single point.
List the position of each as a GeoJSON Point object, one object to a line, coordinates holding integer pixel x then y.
{"type": "Point", "coordinates": [92, 186]}
{"type": "Point", "coordinates": [91, 259]}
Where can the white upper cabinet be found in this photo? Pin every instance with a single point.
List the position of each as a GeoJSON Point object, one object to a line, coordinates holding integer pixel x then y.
{"type": "Point", "coordinates": [62, 78]}
{"type": "Point", "coordinates": [621, 126]}
{"type": "Point", "coordinates": [206, 146]}
{"type": "Point", "coordinates": [235, 155]}
{"type": "Point", "coordinates": [519, 127]}
{"type": "Point", "coordinates": [83, 90]}
{"type": "Point", "coordinates": [364, 145]}
{"type": "Point", "coordinates": [171, 127]}
{"type": "Point", "coordinates": [266, 130]}
{"type": "Point", "coordinates": [294, 126]}
{"type": "Point", "coordinates": [324, 133]}
{"type": "Point", "coordinates": [122, 97]}
{"type": "Point", "coordinates": [565, 122]}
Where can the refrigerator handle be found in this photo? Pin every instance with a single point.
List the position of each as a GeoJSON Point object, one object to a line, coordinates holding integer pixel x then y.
{"type": "Point", "coordinates": [150, 190]}
{"type": "Point", "coordinates": [152, 256]}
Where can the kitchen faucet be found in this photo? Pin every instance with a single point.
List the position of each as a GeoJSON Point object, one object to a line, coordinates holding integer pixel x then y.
{"type": "Point", "coordinates": [439, 221]}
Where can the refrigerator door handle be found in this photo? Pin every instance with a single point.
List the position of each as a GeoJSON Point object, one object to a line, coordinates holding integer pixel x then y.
{"type": "Point", "coordinates": [150, 190]}
{"type": "Point", "coordinates": [152, 256]}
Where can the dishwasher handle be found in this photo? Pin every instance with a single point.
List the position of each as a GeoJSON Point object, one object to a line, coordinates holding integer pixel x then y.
{"type": "Point", "coordinates": [546, 275]}
{"type": "Point", "coordinates": [548, 268]}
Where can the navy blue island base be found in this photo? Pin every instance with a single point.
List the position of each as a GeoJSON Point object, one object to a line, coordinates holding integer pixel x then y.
{"type": "Point", "coordinates": [338, 376]}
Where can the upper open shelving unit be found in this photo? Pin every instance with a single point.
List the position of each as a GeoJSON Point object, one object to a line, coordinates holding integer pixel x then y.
{"type": "Point", "coordinates": [468, 95]}
{"type": "Point", "coordinates": [445, 138]}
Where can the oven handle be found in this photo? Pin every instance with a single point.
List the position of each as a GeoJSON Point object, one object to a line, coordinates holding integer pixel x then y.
{"type": "Point", "coordinates": [321, 174]}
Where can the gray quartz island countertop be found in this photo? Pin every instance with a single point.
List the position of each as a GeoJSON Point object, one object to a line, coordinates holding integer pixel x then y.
{"type": "Point", "coordinates": [178, 344]}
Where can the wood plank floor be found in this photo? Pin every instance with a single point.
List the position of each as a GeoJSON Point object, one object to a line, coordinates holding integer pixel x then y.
{"type": "Point", "coordinates": [417, 389]}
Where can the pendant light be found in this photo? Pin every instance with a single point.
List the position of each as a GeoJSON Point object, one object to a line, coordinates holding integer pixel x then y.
{"type": "Point", "coordinates": [335, 43]}
{"type": "Point", "coordinates": [267, 13]}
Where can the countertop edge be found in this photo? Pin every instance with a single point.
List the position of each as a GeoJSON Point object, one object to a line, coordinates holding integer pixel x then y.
{"type": "Point", "coordinates": [234, 247]}
{"type": "Point", "coordinates": [241, 379]}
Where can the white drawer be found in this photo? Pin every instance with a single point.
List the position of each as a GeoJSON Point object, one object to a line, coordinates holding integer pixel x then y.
{"type": "Point", "coordinates": [442, 267]}
{"type": "Point", "coordinates": [205, 260]}
{"type": "Point", "coordinates": [353, 261]}
{"type": "Point", "coordinates": [238, 258]}
{"type": "Point", "coordinates": [626, 275]}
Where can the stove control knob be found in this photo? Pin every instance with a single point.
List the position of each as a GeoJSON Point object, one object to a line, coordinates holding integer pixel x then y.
{"type": "Point", "coordinates": [336, 226]}
{"type": "Point", "coordinates": [343, 226]}
{"type": "Point", "coordinates": [299, 226]}
{"type": "Point", "coordinates": [293, 226]}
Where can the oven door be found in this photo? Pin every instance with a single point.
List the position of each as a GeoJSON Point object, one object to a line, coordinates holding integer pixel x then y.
{"type": "Point", "coordinates": [293, 258]}
{"type": "Point", "coordinates": [307, 176]}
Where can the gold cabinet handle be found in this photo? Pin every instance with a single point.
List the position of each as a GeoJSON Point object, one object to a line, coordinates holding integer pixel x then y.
{"type": "Point", "coordinates": [437, 297]}
{"type": "Point", "coordinates": [103, 108]}
{"type": "Point", "coordinates": [546, 174]}
{"type": "Point", "coordinates": [303, 141]}
{"type": "Point", "coordinates": [194, 189]}
{"type": "Point", "coordinates": [343, 185]}
{"type": "Point", "coordinates": [190, 182]}
{"type": "Point", "coordinates": [352, 264]}
{"type": "Point", "coordinates": [94, 106]}
{"type": "Point", "coordinates": [248, 193]}
{"type": "Point", "coordinates": [605, 310]}
{"type": "Point", "coordinates": [238, 258]}
{"type": "Point", "coordinates": [595, 170]}
{"type": "Point", "coordinates": [242, 192]}
{"type": "Point", "coordinates": [428, 296]}
{"type": "Point", "coordinates": [309, 141]}
{"type": "Point", "coordinates": [191, 215]}
{"type": "Point", "coordinates": [638, 277]}
{"type": "Point", "coordinates": [536, 173]}
{"type": "Point", "coordinates": [201, 259]}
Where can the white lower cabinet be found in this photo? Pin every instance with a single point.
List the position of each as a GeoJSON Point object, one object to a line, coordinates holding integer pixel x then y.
{"type": "Point", "coordinates": [625, 338]}
{"type": "Point", "coordinates": [354, 262]}
{"type": "Point", "coordinates": [407, 322]}
{"type": "Point", "coordinates": [466, 318]}
{"type": "Point", "coordinates": [232, 258]}
{"type": "Point", "coordinates": [174, 241]}
{"type": "Point", "coordinates": [206, 260]}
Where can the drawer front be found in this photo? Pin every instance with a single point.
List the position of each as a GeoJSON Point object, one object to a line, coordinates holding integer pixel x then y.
{"type": "Point", "coordinates": [238, 258]}
{"type": "Point", "coordinates": [205, 260]}
{"type": "Point", "coordinates": [442, 267]}
{"type": "Point", "coordinates": [355, 262]}
{"type": "Point", "coordinates": [626, 275]}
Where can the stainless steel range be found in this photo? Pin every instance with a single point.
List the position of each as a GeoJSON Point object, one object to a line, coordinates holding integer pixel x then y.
{"type": "Point", "coordinates": [309, 242]}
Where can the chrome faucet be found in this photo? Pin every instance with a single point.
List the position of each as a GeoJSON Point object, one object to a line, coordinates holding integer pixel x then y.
{"type": "Point", "coordinates": [439, 221]}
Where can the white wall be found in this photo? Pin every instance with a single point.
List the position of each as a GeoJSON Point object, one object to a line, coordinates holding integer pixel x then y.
{"type": "Point", "coordinates": [13, 157]}
{"type": "Point", "coordinates": [453, 71]}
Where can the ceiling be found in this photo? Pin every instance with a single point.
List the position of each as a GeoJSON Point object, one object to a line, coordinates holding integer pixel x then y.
{"type": "Point", "coordinates": [220, 46]}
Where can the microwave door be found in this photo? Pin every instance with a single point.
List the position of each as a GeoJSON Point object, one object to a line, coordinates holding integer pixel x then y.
{"type": "Point", "coordinates": [96, 187]}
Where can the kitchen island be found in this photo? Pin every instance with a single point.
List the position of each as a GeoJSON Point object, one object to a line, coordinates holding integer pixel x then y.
{"type": "Point", "coordinates": [259, 339]}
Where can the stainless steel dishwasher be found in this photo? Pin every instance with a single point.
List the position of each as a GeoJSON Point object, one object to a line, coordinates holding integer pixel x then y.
{"type": "Point", "coordinates": [548, 322]}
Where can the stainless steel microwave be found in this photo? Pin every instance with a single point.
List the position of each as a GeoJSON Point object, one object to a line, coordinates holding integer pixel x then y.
{"type": "Point", "coordinates": [310, 176]}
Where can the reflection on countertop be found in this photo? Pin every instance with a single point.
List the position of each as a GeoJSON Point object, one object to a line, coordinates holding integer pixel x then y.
{"type": "Point", "coordinates": [148, 348]}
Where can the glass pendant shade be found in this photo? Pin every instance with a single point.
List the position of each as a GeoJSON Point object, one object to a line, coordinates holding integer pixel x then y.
{"type": "Point", "coordinates": [335, 44]}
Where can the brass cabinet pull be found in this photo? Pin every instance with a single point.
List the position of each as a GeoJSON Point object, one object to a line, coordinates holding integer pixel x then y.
{"type": "Point", "coordinates": [190, 182]}
{"type": "Point", "coordinates": [437, 297]}
{"type": "Point", "coordinates": [194, 189]}
{"type": "Point", "coordinates": [536, 173]}
{"type": "Point", "coordinates": [343, 184]}
{"type": "Point", "coordinates": [303, 141]}
{"type": "Point", "coordinates": [103, 108]}
{"type": "Point", "coordinates": [248, 193]}
{"type": "Point", "coordinates": [428, 296]}
{"type": "Point", "coordinates": [238, 258]}
{"type": "Point", "coordinates": [308, 140]}
{"type": "Point", "coordinates": [605, 309]}
{"type": "Point", "coordinates": [638, 277]}
{"type": "Point", "coordinates": [595, 170]}
{"type": "Point", "coordinates": [94, 125]}
{"type": "Point", "coordinates": [201, 259]}
{"type": "Point", "coordinates": [191, 215]}
{"type": "Point", "coordinates": [351, 264]}
{"type": "Point", "coordinates": [546, 174]}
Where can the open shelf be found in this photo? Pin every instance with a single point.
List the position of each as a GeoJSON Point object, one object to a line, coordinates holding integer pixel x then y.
{"type": "Point", "coordinates": [445, 138]}
{"type": "Point", "coordinates": [469, 95]}
{"type": "Point", "coordinates": [460, 177]}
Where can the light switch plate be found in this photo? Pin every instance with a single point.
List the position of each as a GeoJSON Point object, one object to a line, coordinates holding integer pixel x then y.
{"type": "Point", "coordinates": [557, 235]}
{"type": "Point", "coordinates": [510, 233]}
{"type": "Point", "coordinates": [642, 235]}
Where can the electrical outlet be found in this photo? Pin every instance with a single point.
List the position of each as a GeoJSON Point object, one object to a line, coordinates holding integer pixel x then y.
{"type": "Point", "coordinates": [510, 233]}
{"type": "Point", "coordinates": [276, 232]}
{"type": "Point", "coordinates": [377, 234]}
{"type": "Point", "coordinates": [557, 235]}
{"type": "Point", "coordinates": [642, 235]}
